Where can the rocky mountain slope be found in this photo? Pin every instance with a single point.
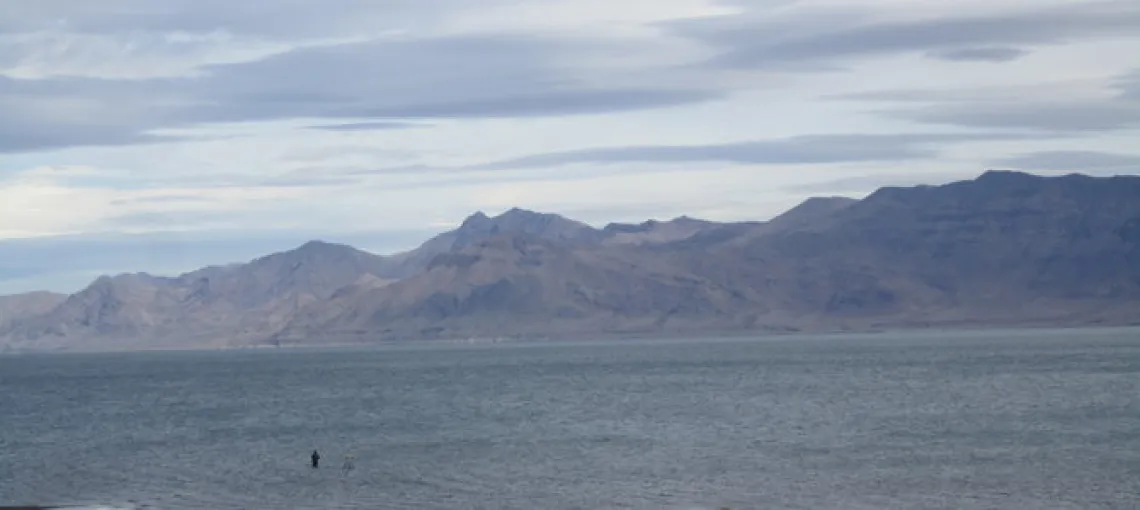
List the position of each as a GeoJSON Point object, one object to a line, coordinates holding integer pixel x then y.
{"type": "Point", "coordinates": [521, 284]}
{"type": "Point", "coordinates": [478, 227]}
{"type": "Point", "coordinates": [1004, 249]}
{"type": "Point", "coordinates": [213, 306]}
{"type": "Point", "coordinates": [20, 306]}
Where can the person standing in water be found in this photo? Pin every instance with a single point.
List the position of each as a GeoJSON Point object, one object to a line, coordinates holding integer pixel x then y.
{"type": "Point", "coordinates": [316, 457]}
{"type": "Point", "coordinates": [348, 465]}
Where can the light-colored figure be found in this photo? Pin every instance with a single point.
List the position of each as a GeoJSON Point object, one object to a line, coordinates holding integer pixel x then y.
{"type": "Point", "coordinates": [348, 464]}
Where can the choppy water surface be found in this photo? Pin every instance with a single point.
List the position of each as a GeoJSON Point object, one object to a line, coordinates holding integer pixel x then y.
{"type": "Point", "coordinates": [996, 420]}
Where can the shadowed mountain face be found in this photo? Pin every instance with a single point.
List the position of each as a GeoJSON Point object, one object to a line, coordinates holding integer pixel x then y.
{"type": "Point", "coordinates": [1005, 249]}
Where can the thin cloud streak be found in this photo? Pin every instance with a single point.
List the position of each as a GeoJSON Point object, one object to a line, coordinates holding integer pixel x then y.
{"type": "Point", "coordinates": [808, 149]}
{"type": "Point", "coordinates": [1074, 161]}
{"type": "Point", "coordinates": [991, 54]}
{"type": "Point", "coordinates": [763, 42]}
{"type": "Point", "coordinates": [368, 126]}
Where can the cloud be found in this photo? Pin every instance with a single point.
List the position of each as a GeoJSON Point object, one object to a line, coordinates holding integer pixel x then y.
{"type": "Point", "coordinates": [367, 126]}
{"type": "Point", "coordinates": [493, 76]}
{"type": "Point", "coordinates": [161, 198]}
{"type": "Point", "coordinates": [808, 149]}
{"type": "Point", "coordinates": [63, 200]}
{"type": "Point", "coordinates": [131, 72]}
{"type": "Point", "coordinates": [162, 220]}
{"type": "Point", "coordinates": [489, 76]}
{"type": "Point", "coordinates": [35, 202]}
{"type": "Point", "coordinates": [1129, 86]}
{"type": "Point", "coordinates": [135, 55]}
{"type": "Point", "coordinates": [46, 114]}
{"type": "Point", "coordinates": [552, 103]}
{"type": "Point", "coordinates": [952, 94]}
{"type": "Point", "coordinates": [285, 19]}
{"type": "Point", "coordinates": [809, 36]}
{"type": "Point", "coordinates": [1075, 161]}
{"type": "Point", "coordinates": [1058, 116]}
{"type": "Point", "coordinates": [981, 54]}
{"type": "Point", "coordinates": [1069, 106]}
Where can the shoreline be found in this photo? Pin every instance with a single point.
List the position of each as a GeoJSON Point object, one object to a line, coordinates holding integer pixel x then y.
{"type": "Point", "coordinates": [600, 338]}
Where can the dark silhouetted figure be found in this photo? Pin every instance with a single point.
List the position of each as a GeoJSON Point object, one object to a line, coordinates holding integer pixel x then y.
{"type": "Point", "coordinates": [316, 458]}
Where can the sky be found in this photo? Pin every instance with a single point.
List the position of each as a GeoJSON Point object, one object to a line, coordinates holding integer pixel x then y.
{"type": "Point", "coordinates": [165, 135]}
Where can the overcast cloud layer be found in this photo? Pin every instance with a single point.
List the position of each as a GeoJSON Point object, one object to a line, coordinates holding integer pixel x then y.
{"type": "Point", "coordinates": [162, 135]}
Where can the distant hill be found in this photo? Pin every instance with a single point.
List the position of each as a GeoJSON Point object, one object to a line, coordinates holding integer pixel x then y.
{"type": "Point", "coordinates": [1004, 249]}
{"type": "Point", "coordinates": [213, 306]}
{"type": "Point", "coordinates": [20, 306]}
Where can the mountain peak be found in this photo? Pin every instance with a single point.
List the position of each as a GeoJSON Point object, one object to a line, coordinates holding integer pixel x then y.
{"type": "Point", "coordinates": [1007, 176]}
{"type": "Point", "coordinates": [520, 214]}
{"type": "Point", "coordinates": [319, 247]}
{"type": "Point", "coordinates": [515, 218]}
{"type": "Point", "coordinates": [479, 226]}
{"type": "Point", "coordinates": [120, 278]}
{"type": "Point", "coordinates": [313, 250]}
{"type": "Point", "coordinates": [478, 218]}
{"type": "Point", "coordinates": [317, 244]}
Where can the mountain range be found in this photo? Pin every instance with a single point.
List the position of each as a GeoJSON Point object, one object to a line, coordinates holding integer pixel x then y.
{"type": "Point", "coordinates": [1006, 249]}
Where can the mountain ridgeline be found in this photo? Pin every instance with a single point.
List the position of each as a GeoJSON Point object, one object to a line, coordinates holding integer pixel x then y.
{"type": "Point", "coordinates": [1004, 249]}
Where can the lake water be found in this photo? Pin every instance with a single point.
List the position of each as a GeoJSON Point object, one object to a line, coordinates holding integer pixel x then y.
{"type": "Point", "coordinates": [1012, 420]}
